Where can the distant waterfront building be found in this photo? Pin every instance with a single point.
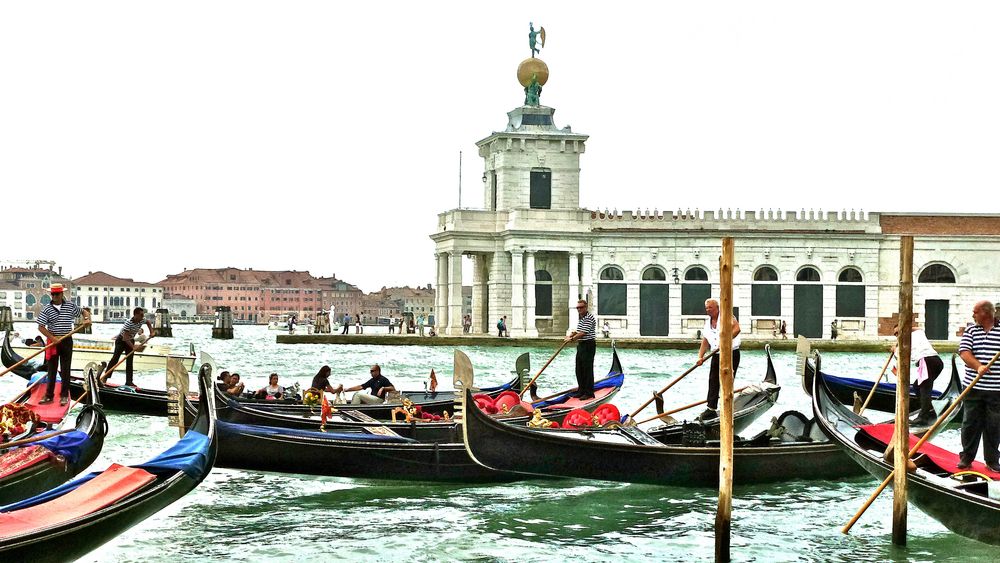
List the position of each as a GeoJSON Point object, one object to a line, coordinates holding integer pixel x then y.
{"type": "Point", "coordinates": [535, 252]}
{"type": "Point", "coordinates": [34, 280]}
{"type": "Point", "coordinates": [346, 297]}
{"type": "Point", "coordinates": [416, 300]}
{"type": "Point", "coordinates": [11, 295]}
{"type": "Point", "coordinates": [180, 307]}
{"type": "Point", "coordinates": [111, 298]}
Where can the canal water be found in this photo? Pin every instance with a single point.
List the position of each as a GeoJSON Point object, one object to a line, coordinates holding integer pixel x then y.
{"type": "Point", "coordinates": [254, 516]}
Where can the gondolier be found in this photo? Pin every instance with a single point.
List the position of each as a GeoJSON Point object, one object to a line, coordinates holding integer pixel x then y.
{"type": "Point", "coordinates": [125, 344]}
{"type": "Point", "coordinates": [981, 412]}
{"type": "Point", "coordinates": [54, 321]}
{"type": "Point", "coordinates": [710, 341]}
{"type": "Point", "coordinates": [586, 336]}
{"type": "Point", "coordinates": [929, 367]}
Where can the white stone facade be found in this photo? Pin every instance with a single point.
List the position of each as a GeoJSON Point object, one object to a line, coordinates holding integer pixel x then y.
{"type": "Point", "coordinates": [811, 252]}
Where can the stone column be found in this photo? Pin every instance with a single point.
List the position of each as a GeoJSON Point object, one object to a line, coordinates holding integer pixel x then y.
{"type": "Point", "coordinates": [587, 283]}
{"type": "Point", "coordinates": [529, 293]}
{"type": "Point", "coordinates": [573, 280]}
{"type": "Point", "coordinates": [517, 292]}
{"type": "Point", "coordinates": [499, 289]}
{"type": "Point", "coordinates": [441, 291]}
{"type": "Point", "coordinates": [455, 292]}
{"type": "Point", "coordinates": [479, 308]}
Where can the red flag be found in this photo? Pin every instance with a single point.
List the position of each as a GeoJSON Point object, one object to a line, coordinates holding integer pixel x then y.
{"type": "Point", "coordinates": [434, 381]}
{"type": "Point", "coordinates": [325, 411]}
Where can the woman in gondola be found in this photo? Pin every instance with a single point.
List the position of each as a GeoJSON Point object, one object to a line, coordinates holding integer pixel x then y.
{"type": "Point", "coordinates": [929, 367]}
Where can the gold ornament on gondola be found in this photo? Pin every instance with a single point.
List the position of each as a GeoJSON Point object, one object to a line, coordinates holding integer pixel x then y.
{"type": "Point", "coordinates": [538, 422]}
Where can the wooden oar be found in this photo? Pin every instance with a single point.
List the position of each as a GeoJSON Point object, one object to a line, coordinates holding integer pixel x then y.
{"type": "Point", "coordinates": [15, 443]}
{"type": "Point", "coordinates": [684, 408]}
{"type": "Point", "coordinates": [871, 393]}
{"type": "Point", "coordinates": [528, 386]}
{"type": "Point", "coordinates": [127, 356]}
{"type": "Point", "coordinates": [47, 346]}
{"type": "Point", "coordinates": [916, 447]}
{"type": "Point", "coordinates": [669, 385]}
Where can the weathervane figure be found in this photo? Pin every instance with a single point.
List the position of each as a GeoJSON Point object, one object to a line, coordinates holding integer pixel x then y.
{"type": "Point", "coordinates": [532, 35]}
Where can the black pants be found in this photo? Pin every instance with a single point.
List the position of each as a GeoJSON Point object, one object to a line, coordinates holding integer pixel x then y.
{"type": "Point", "coordinates": [121, 347]}
{"type": "Point", "coordinates": [934, 368]}
{"type": "Point", "coordinates": [63, 358]}
{"type": "Point", "coordinates": [713, 378]}
{"type": "Point", "coordinates": [981, 419]}
{"type": "Point", "coordinates": [346, 327]}
{"type": "Point", "coordinates": [585, 351]}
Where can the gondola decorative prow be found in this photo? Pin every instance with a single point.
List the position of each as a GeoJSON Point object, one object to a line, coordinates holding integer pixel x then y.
{"type": "Point", "coordinates": [462, 379]}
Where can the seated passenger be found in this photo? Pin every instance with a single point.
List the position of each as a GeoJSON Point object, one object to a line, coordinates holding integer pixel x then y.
{"type": "Point", "coordinates": [379, 385]}
{"type": "Point", "coordinates": [223, 383]}
{"type": "Point", "coordinates": [321, 380]}
{"type": "Point", "coordinates": [273, 390]}
{"type": "Point", "coordinates": [235, 387]}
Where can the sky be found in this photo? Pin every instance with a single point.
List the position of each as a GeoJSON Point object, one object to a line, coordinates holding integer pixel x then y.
{"type": "Point", "coordinates": [141, 138]}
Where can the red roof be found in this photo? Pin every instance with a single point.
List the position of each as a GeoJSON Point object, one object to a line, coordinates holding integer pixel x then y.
{"type": "Point", "coordinates": [103, 278]}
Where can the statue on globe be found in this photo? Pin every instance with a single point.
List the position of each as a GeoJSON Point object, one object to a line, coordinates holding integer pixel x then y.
{"type": "Point", "coordinates": [536, 39]}
{"type": "Point", "coordinates": [532, 92]}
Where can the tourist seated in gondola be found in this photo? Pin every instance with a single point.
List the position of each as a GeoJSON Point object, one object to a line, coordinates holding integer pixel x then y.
{"type": "Point", "coordinates": [321, 380]}
{"type": "Point", "coordinates": [379, 386]}
{"type": "Point", "coordinates": [36, 343]}
{"type": "Point", "coordinates": [235, 385]}
{"type": "Point", "coordinates": [273, 390]}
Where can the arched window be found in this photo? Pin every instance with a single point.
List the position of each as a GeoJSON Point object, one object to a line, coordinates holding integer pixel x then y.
{"type": "Point", "coordinates": [936, 273]}
{"type": "Point", "coordinates": [695, 291]}
{"type": "Point", "coordinates": [850, 293]}
{"type": "Point", "coordinates": [46, 299]}
{"type": "Point", "coordinates": [765, 293]}
{"type": "Point", "coordinates": [612, 293]}
{"type": "Point", "coordinates": [29, 300]}
{"type": "Point", "coordinates": [654, 302]}
{"type": "Point", "coordinates": [543, 293]}
{"type": "Point", "coordinates": [654, 274]}
{"type": "Point", "coordinates": [807, 274]}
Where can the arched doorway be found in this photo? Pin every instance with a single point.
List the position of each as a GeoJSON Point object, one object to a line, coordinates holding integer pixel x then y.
{"type": "Point", "coordinates": [936, 310]}
{"type": "Point", "coordinates": [654, 293]}
{"type": "Point", "coordinates": [808, 303]}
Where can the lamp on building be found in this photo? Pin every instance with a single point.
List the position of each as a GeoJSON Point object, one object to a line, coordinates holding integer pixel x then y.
{"type": "Point", "coordinates": [677, 278]}
{"type": "Point", "coordinates": [484, 177]}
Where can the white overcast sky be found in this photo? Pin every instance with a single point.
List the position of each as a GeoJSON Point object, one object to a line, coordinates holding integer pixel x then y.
{"type": "Point", "coordinates": [141, 138]}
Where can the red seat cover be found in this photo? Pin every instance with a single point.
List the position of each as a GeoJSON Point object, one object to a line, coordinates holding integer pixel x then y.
{"type": "Point", "coordinates": [51, 412]}
{"type": "Point", "coordinates": [103, 490]}
{"type": "Point", "coordinates": [21, 458]}
{"type": "Point", "coordinates": [947, 461]}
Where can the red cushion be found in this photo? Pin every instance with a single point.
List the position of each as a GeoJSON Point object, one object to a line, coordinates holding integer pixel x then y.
{"type": "Point", "coordinates": [947, 461]}
{"type": "Point", "coordinates": [607, 413]}
{"type": "Point", "coordinates": [508, 401]}
{"type": "Point", "coordinates": [51, 412]}
{"type": "Point", "coordinates": [577, 418]}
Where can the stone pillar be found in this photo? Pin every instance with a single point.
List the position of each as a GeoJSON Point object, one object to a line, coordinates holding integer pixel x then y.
{"type": "Point", "coordinates": [587, 283]}
{"type": "Point", "coordinates": [479, 307]}
{"type": "Point", "coordinates": [6, 319]}
{"type": "Point", "coordinates": [517, 293]}
{"type": "Point", "coordinates": [441, 291]}
{"type": "Point", "coordinates": [499, 289]}
{"type": "Point", "coordinates": [454, 323]}
{"type": "Point", "coordinates": [573, 280]}
{"type": "Point", "coordinates": [529, 293]}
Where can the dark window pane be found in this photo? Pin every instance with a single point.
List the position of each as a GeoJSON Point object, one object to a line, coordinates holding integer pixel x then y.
{"type": "Point", "coordinates": [696, 274]}
{"type": "Point", "coordinates": [611, 299]}
{"type": "Point", "coordinates": [850, 300]}
{"type": "Point", "coordinates": [654, 274]}
{"type": "Point", "coordinates": [850, 275]}
{"type": "Point", "coordinates": [543, 299]}
{"type": "Point", "coordinates": [807, 275]}
{"type": "Point", "coordinates": [937, 273]}
{"type": "Point", "coordinates": [542, 276]}
{"type": "Point", "coordinates": [693, 296]}
{"type": "Point", "coordinates": [541, 189]}
{"type": "Point", "coordinates": [765, 300]}
{"type": "Point", "coordinates": [654, 315]}
{"type": "Point", "coordinates": [765, 273]}
{"type": "Point", "coordinates": [612, 273]}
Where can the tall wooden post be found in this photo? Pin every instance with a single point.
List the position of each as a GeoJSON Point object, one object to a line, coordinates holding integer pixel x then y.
{"type": "Point", "coordinates": [901, 439]}
{"type": "Point", "coordinates": [723, 517]}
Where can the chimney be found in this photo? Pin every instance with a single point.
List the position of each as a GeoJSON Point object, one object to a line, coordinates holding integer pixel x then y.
{"type": "Point", "coordinates": [60, 270]}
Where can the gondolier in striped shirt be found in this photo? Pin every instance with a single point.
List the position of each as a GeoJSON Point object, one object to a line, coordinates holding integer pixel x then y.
{"type": "Point", "coordinates": [981, 412]}
{"type": "Point", "coordinates": [586, 337]}
{"type": "Point", "coordinates": [54, 321]}
{"type": "Point", "coordinates": [125, 344]}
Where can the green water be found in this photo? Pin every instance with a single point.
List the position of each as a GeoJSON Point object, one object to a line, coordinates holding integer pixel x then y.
{"type": "Point", "coordinates": [253, 516]}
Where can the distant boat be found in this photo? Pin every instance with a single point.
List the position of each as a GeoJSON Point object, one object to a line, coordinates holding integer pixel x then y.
{"type": "Point", "coordinates": [87, 349]}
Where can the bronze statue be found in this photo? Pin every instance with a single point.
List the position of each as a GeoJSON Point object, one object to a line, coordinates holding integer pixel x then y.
{"type": "Point", "coordinates": [532, 92]}
{"type": "Point", "coordinates": [532, 35]}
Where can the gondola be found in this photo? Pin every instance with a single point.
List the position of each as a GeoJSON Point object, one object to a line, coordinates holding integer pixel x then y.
{"type": "Point", "coordinates": [884, 399]}
{"type": "Point", "coordinates": [627, 454]}
{"type": "Point", "coordinates": [154, 401]}
{"type": "Point", "coordinates": [748, 406]}
{"type": "Point", "coordinates": [71, 520]}
{"type": "Point", "coordinates": [957, 499]}
{"type": "Point", "coordinates": [39, 466]}
{"type": "Point", "coordinates": [554, 408]}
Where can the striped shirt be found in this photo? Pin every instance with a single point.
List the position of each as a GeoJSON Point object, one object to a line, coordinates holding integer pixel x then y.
{"type": "Point", "coordinates": [58, 321]}
{"type": "Point", "coordinates": [983, 345]}
{"type": "Point", "coordinates": [588, 326]}
{"type": "Point", "coordinates": [130, 328]}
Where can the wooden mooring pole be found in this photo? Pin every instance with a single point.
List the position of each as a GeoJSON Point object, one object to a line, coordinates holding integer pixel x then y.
{"type": "Point", "coordinates": [723, 517]}
{"type": "Point", "coordinates": [901, 439]}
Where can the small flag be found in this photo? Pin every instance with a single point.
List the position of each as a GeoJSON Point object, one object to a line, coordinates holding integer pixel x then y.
{"type": "Point", "coordinates": [325, 411]}
{"type": "Point", "coordinates": [434, 381]}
